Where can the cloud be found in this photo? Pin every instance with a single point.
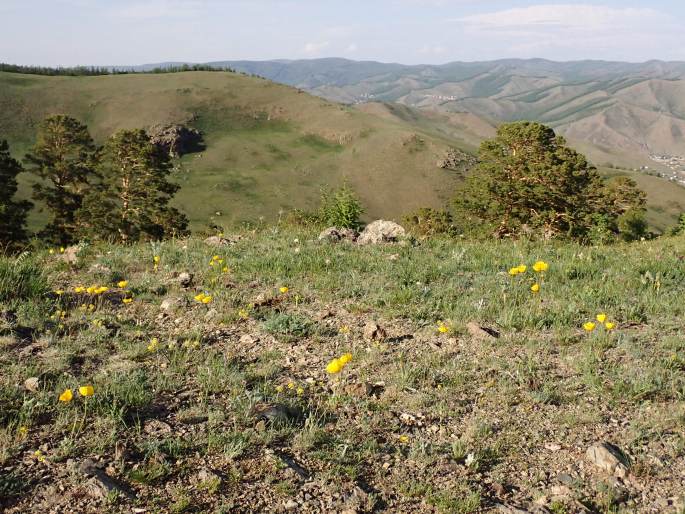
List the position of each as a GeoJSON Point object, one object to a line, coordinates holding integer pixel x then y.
{"type": "Point", "coordinates": [352, 47]}
{"type": "Point", "coordinates": [315, 47]}
{"type": "Point", "coordinates": [155, 9]}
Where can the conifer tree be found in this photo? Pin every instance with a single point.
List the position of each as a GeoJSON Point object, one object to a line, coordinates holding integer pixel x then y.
{"type": "Point", "coordinates": [63, 158]}
{"type": "Point", "coordinates": [12, 213]}
{"type": "Point", "coordinates": [132, 201]}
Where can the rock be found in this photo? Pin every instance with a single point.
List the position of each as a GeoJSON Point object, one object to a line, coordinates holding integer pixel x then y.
{"type": "Point", "coordinates": [32, 384]}
{"type": "Point", "coordinates": [609, 458]}
{"type": "Point", "coordinates": [176, 140]}
{"type": "Point", "coordinates": [248, 340]}
{"type": "Point", "coordinates": [156, 427]}
{"type": "Point", "coordinates": [455, 160]}
{"type": "Point", "coordinates": [220, 241]}
{"type": "Point", "coordinates": [374, 332]}
{"type": "Point", "coordinates": [381, 231]}
{"type": "Point", "coordinates": [207, 475]}
{"type": "Point", "coordinates": [171, 303]}
{"type": "Point", "coordinates": [291, 505]}
{"type": "Point", "coordinates": [70, 254]}
{"type": "Point", "coordinates": [335, 235]}
{"type": "Point", "coordinates": [358, 389]}
{"type": "Point", "coordinates": [482, 333]}
{"type": "Point", "coordinates": [185, 279]}
{"type": "Point", "coordinates": [211, 314]}
{"type": "Point", "coordinates": [100, 484]}
{"type": "Point", "coordinates": [279, 414]}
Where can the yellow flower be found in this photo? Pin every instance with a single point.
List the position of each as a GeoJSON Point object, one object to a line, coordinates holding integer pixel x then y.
{"type": "Point", "coordinates": [23, 431]}
{"type": "Point", "coordinates": [404, 439]}
{"type": "Point", "coordinates": [283, 289]}
{"type": "Point", "coordinates": [601, 318]}
{"type": "Point", "coordinates": [522, 268]}
{"type": "Point", "coordinates": [442, 328]}
{"type": "Point", "coordinates": [589, 326]}
{"type": "Point", "coordinates": [122, 283]}
{"type": "Point", "coordinates": [154, 343]}
{"type": "Point", "coordinates": [66, 396]}
{"type": "Point", "coordinates": [79, 289]}
{"type": "Point", "coordinates": [61, 249]}
{"type": "Point", "coordinates": [291, 385]}
{"type": "Point", "coordinates": [344, 329]}
{"type": "Point", "coordinates": [279, 388]}
{"type": "Point", "coordinates": [514, 271]}
{"type": "Point", "coordinates": [334, 367]}
{"type": "Point", "coordinates": [609, 325]}
{"type": "Point", "coordinates": [243, 314]}
{"type": "Point", "coordinates": [39, 455]}
{"type": "Point", "coordinates": [51, 251]}
{"type": "Point", "coordinates": [345, 358]}
{"type": "Point", "coordinates": [535, 288]}
{"type": "Point", "coordinates": [216, 258]}
{"type": "Point", "coordinates": [91, 307]}
{"type": "Point", "coordinates": [59, 292]}
{"type": "Point", "coordinates": [300, 391]}
{"type": "Point", "coordinates": [211, 263]}
{"type": "Point", "coordinates": [156, 259]}
{"type": "Point", "coordinates": [207, 299]}
{"type": "Point", "coordinates": [101, 289]}
{"type": "Point", "coordinates": [86, 390]}
{"type": "Point", "coordinates": [126, 301]}
{"type": "Point", "coordinates": [226, 269]}
{"type": "Point", "coordinates": [199, 297]}
{"type": "Point", "coordinates": [91, 289]}
{"type": "Point", "coordinates": [540, 266]}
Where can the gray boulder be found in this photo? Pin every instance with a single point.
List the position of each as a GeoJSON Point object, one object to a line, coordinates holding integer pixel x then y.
{"type": "Point", "coordinates": [381, 231]}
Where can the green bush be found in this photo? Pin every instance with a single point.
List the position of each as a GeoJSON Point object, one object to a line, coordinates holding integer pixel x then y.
{"type": "Point", "coordinates": [21, 278]}
{"type": "Point", "coordinates": [340, 208]}
{"type": "Point", "coordinates": [429, 222]}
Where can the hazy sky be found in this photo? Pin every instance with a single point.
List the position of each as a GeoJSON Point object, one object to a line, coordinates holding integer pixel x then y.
{"type": "Point", "coordinates": [70, 32]}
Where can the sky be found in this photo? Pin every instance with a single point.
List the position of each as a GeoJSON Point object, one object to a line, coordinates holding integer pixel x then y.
{"type": "Point", "coordinates": [129, 32]}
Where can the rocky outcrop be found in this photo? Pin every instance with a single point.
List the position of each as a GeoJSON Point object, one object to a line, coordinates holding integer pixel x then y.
{"type": "Point", "coordinates": [336, 235]}
{"type": "Point", "coordinates": [456, 160]}
{"type": "Point", "coordinates": [381, 231]}
{"type": "Point", "coordinates": [176, 140]}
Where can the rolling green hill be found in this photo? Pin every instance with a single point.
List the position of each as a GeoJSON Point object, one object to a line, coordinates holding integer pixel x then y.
{"type": "Point", "coordinates": [269, 147]}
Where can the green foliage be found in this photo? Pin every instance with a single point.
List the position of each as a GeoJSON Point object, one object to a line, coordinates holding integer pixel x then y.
{"type": "Point", "coordinates": [288, 325]}
{"type": "Point", "coordinates": [89, 71]}
{"type": "Point", "coordinates": [680, 226]}
{"type": "Point", "coordinates": [528, 182]}
{"type": "Point", "coordinates": [12, 213]}
{"type": "Point", "coordinates": [21, 278]}
{"type": "Point", "coordinates": [429, 222]}
{"type": "Point", "coordinates": [131, 202]}
{"type": "Point", "coordinates": [340, 208]}
{"type": "Point", "coordinates": [63, 158]}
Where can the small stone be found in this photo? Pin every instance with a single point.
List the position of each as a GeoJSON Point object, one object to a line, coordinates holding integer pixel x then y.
{"type": "Point", "coordinates": [170, 303]}
{"type": "Point", "coordinates": [482, 333]}
{"type": "Point", "coordinates": [609, 458]}
{"type": "Point", "coordinates": [374, 332]}
{"type": "Point", "coordinates": [291, 505]}
{"type": "Point", "coordinates": [32, 384]}
{"type": "Point", "coordinates": [70, 254]}
{"type": "Point", "coordinates": [206, 475]}
{"type": "Point", "coordinates": [219, 241]}
{"type": "Point", "coordinates": [185, 279]}
{"type": "Point", "coordinates": [279, 414]}
{"type": "Point", "coordinates": [211, 314]}
{"type": "Point", "coordinates": [156, 427]}
{"type": "Point", "coordinates": [100, 485]}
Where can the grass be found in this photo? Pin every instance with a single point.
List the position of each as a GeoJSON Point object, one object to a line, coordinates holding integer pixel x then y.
{"type": "Point", "coordinates": [419, 418]}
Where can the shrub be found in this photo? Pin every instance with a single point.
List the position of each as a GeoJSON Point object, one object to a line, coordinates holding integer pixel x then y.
{"type": "Point", "coordinates": [429, 222]}
{"type": "Point", "coordinates": [340, 208]}
{"type": "Point", "coordinates": [21, 278]}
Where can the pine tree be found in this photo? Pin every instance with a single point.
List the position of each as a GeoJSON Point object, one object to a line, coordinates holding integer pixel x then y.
{"type": "Point", "coordinates": [12, 213]}
{"type": "Point", "coordinates": [132, 201]}
{"type": "Point", "coordinates": [63, 158]}
{"type": "Point", "coordinates": [529, 182]}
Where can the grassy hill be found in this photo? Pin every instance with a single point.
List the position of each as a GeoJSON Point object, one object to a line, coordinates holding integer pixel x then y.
{"type": "Point", "coordinates": [619, 112]}
{"type": "Point", "coordinates": [269, 147]}
{"type": "Point", "coordinates": [474, 394]}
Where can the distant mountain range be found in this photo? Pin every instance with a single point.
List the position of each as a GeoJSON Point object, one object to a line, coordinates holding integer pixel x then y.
{"type": "Point", "coordinates": [616, 112]}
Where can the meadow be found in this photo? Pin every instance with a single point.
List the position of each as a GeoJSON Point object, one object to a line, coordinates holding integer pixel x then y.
{"type": "Point", "coordinates": [185, 377]}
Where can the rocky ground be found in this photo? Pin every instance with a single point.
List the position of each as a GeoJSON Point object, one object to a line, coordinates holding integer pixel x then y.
{"type": "Point", "coordinates": [466, 391]}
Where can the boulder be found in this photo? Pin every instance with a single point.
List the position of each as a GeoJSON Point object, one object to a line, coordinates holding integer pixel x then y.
{"type": "Point", "coordinates": [381, 231]}
{"type": "Point", "coordinates": [336, 235]}
{"type": "Point", "coordinates": [220, 241]}
{"type": "Point", "coordinates": [185, 279]}
{"type": "Point", "coordinates": [373, 332]}
{"type": "Point", "coordinates": [176, 140]}
{"type": "Point", "coordinates": [609, 458]}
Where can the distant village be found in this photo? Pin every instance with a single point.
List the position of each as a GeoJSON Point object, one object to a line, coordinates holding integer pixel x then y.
{"type": "Point", "coordinates": [675, 163]}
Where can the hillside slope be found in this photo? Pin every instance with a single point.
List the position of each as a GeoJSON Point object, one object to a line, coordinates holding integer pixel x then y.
{"type": "Point", "coordinates": [269, 147]}
{"type": "Point", "coordinates": [619, 112]}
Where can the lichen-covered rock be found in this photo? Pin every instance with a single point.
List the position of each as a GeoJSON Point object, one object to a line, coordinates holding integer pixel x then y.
{"type": "Point", "coordinates": [176, 140]}
{"type": "Point", "coordinates": [381, 231]}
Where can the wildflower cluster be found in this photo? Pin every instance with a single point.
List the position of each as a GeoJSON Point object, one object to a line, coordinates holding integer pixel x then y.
{"type": "Point", "coordinates": [444, 328]}
{"type": "Point", "coordinates": [290, 387]}
{"type": "Point", "coordinates": [337, 365]}
{"type": "Point", "coordinates": [539, 267]}
{"type": "Point", "coordinates": [218, 262]}
{"type": "Point", "coordinates": [203, 298]}
{"type": "Point", "coordinates": [84, 390]}
{"type": "Point", "coordinates": [602, 320]}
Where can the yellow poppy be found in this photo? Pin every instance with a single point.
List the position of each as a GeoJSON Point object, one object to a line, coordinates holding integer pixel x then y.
{"type": "Point", "coordinates": [609, 325]}
{"type": "Point", "coordinates": [243, 314]}
{"type": "Point", "coordinates": [522, 268]}
{"type": "Point", "coordinates": [284, 289]}
{"type": "Point", "coordinates": [334, 367]}
{"type": "Point", "coordinates": [126, 301]}
{"type": "Point", "coordinates": [156, 259]}
{"type": "Point", "coordinates": [300, 391]}
{"type": "Point", "coordinates": [535, 288]}
{"type": "Point", "coordinates": [404, 439]}
{"type": "Point", "coordinates": [601, 318]}
{"type": "Point", "coordinates": [86, 390]}
{"type": "Point", "coordinates": [345, 358]}
{"type": "Point", "coordinates": [442, 328]}
{"type": "Point", "coordinates": [207, 299]}
{"type": "Point", "coordinates": [122, 283]}
{"type": "Point", "coordinates": [199, 297]}
{"type": "Point", "coordinates": [291, 385]}
{"type": "Point", "coordinates": [154, 343]}
{"type": "Point", "coordinates": [589, 326]}
{"type": "Point", "coordinates": [540, 266]}
{"type": "Point", "coordinates": [514, 271]}
{"type": "Point", "coordinates": [66, 396]}
{"type": "Point", "coordinates": [79, 289]}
